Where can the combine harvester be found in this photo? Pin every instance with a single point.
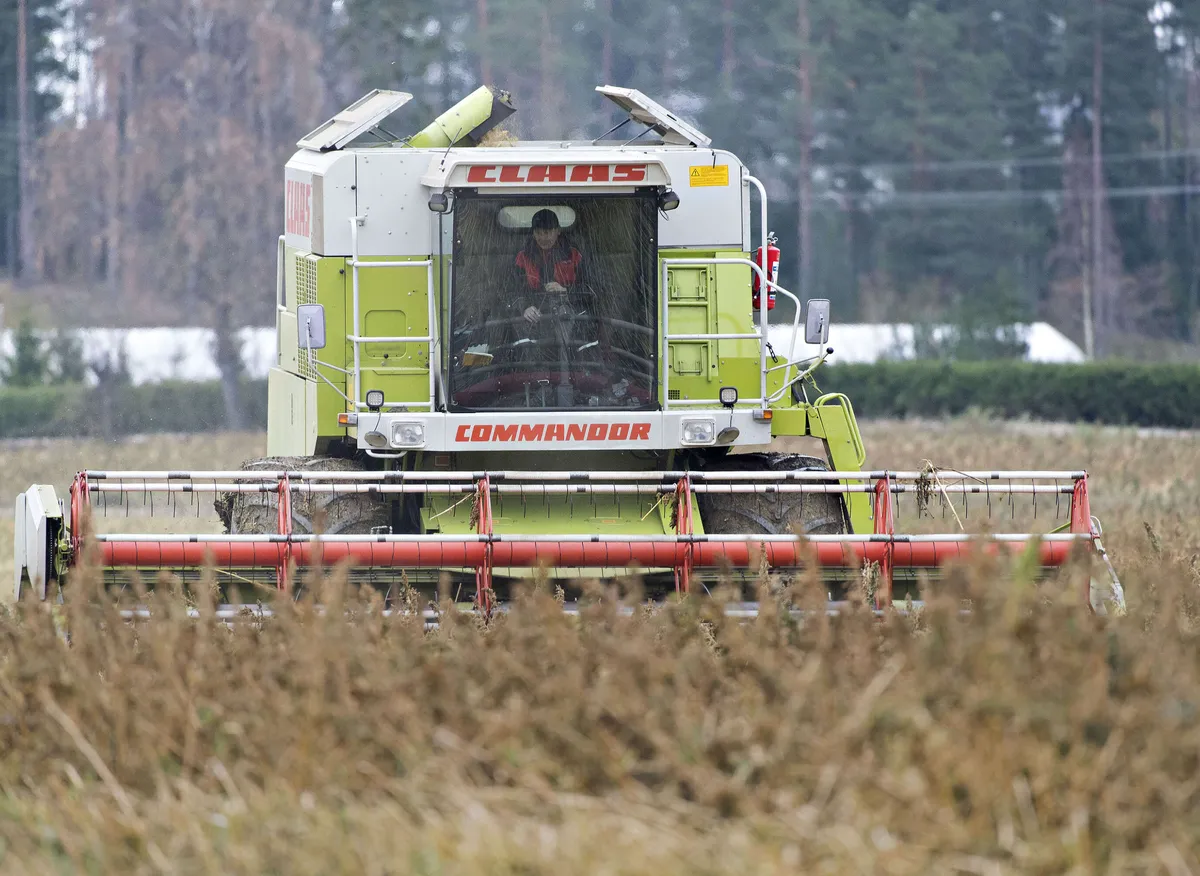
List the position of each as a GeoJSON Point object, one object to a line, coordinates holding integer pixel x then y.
{"type": "Point", "coordinates": [502, 359]}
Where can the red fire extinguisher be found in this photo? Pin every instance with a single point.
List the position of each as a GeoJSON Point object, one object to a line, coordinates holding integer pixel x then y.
{"type": "Point", "coordinates": [772, 270]}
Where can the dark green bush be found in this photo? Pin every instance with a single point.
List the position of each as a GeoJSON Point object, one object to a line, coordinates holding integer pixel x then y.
{"type": "Point", "coordinates": [1105, 392]}
{"type": "Point", "coordinates": [77, 410]}
{"type": "Point", "coordinates": [1102, 392]}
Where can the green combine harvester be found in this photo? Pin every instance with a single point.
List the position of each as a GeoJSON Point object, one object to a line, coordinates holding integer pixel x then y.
{"type": "Point", "coordinates": [502, 359]}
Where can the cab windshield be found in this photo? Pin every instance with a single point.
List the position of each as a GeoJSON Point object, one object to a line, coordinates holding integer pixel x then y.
{"type": "Point", "coordinates": [553, 303]}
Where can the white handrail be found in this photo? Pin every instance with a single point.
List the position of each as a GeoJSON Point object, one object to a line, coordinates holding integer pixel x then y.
{"type": "Point", "coordinates": [356, 339]}
{"type": "Point", "coordinates": [766, 283]}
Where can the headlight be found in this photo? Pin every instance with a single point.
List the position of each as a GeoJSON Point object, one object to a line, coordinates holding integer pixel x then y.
{"type": "Point", "coordinates": [698, 431]}
{"type": "Point", "coordinates": [408, 435]}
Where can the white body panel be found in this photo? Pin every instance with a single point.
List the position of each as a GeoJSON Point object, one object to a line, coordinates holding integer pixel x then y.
{"type": "Point", "coordinates": [498, 430]}
{"type": "Point", "coordinates": [35, 507]}
{"type": "Point", "coordinates": [291, 414]}
{"type": "Point", "coordinates": [393, 203]}
{"type": "Point", "coordinates": [710, 215]}
{"type": "Point", "coordinates": [319, 199]}
{"type": "Point", "coordinates": [390, 187]}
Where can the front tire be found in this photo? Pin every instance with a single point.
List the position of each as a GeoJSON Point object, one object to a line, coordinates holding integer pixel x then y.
{"type": "Point", "coordinates": [771, 513]}
{"type": "Point", "coordinates": [349, 513]}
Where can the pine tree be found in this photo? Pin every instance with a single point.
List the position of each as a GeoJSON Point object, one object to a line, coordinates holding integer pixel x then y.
{"type": "Point", "coordinates": [42, 18]}
{"type": "Point", "coordinates": [28, 365]}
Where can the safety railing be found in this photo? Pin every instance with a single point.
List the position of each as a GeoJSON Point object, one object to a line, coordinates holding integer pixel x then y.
{"type": "Point", "coordinates": [760, 334]}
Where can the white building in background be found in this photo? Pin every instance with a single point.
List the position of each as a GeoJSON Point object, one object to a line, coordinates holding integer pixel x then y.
{"type": "Point", "coordinates": [157, 354]}
{"type": "Point", "coordinates": [872, 342]}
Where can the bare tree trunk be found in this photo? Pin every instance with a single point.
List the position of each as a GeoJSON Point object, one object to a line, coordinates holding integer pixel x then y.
{"type": "Point", "coordinates": [123, 85]}
{"type": "Point", "coordinates": [804, 74]}
{"type": "Point", "coordinates": [546, 75]}
{"type": "Point", "coordinates": [728, 50]}
{"type": "Point", "coordinates": [606, 51]}
{"type": "Point", "coordinates": [485, 53]}
{"type": "Point", "coordinates": [229, 361]}
{"type": "Point", "coordinates": [1190, 120]}
{"type": "Point", "coordinates": [921, 175]}
{"type": "Point", "coordinates": [1093, 291]}
{"type": "Point", "coordinates": [24, 270]}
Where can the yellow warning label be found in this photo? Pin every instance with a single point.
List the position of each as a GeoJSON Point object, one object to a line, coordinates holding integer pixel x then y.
{"type": "Point", "coordinates": [707, 175]}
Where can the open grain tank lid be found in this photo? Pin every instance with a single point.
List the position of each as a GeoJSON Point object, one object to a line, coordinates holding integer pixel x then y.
{"type": "Point", "coordinates": [658, 118]}
{"type": "Point", "coordinates": [362, 116]}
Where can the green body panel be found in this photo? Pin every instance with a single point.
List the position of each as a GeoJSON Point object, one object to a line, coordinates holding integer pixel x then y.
{"type": "Point", "coordinates": [711, 299]}
{"type": "Point", "coordinates": [564, 515]}
{"type": "Point", "coordinates": [831, 419]}
{"type": "Point", "coordinates": [331, 281]}
{"type": "Point", "coordinates": [392, 301]}
{"type": "Point", "coordinates": [550, 515]}
{"type": "Point", "coordinates": [310, 279]}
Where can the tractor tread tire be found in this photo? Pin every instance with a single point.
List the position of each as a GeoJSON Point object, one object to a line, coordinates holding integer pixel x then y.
{"type": "Point", "coordinates": [344, 514]}
{"type": "Point", "coordinates": [771, 513]}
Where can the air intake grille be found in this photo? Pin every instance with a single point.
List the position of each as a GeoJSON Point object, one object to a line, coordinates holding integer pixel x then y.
{"type": "Point", "coordinates": [673, 395]}
{"type": "Point", "coordinates": [306, 293]}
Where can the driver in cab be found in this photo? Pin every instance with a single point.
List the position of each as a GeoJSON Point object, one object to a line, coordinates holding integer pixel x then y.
{"type": "Point", "coordinates": [547, 266]}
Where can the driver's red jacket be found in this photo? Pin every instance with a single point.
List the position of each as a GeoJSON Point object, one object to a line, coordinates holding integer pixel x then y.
{"type": "Point", "coordinates": [557, 265]}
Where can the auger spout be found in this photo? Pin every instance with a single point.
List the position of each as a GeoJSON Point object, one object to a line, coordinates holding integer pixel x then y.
{"type": "Point", "coordinates": [468, 121]}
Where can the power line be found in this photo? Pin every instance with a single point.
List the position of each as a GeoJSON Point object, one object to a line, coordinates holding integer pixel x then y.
{"type": "Point", "coordinates": [997, 163]}
{"type": "Point", "coordinates": [982, 198]}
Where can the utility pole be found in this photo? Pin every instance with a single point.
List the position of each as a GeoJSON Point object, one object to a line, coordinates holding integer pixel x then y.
{"type": "Point", "coordinates": [804, 74]}
{"type": "Point", "coordinates": [25, 204]}
{"type": "Point", "coordinates": [485, 49]}
{"type": "Point", "coordinates": [1097, 284]}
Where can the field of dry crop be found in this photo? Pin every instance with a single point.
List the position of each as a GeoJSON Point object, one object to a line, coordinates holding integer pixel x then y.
{"type": "Point", "coordinates": [1025, 737]}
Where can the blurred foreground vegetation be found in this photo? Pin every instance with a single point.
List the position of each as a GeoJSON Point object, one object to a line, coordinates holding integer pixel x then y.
{"type": "Point", "coordinates": [1026, 736]}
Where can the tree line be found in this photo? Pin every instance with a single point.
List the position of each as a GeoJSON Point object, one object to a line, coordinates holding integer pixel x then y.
{"type": "Point", "coordinates": [927, 160]}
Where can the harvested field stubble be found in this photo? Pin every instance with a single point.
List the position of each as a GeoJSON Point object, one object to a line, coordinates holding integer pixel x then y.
{"type": "Point", "coordinates": [1027, 736]}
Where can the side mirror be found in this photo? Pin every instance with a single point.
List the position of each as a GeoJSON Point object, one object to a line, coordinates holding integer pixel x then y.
{"type": "Point", "coordinates": [816, 328]}
{"type": "Point", "coordinates": [310, 326]}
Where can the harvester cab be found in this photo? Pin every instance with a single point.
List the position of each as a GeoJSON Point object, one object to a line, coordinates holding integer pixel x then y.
{"type": "Point", "coordinates": [498, 356]}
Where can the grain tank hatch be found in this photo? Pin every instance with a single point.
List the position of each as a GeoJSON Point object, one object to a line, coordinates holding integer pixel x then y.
{"type": "Point", "coordinates": [362, 117]}
{"type": "Point", "coordinates": [656, 117]}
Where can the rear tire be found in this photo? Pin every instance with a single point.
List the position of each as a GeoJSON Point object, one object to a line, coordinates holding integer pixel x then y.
{"type": "Point", "coordinates": [771, 513]}
{"type": "Point", "coordinates": [339, 514]}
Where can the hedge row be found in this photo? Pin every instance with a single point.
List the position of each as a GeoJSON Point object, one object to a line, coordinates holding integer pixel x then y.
{"type": "Point", "coordinates": [1127, 394]}
{"type": "Point", "coordinates": [1102, 392]}
{"type": "Point", "coordinates": [79, 411]}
